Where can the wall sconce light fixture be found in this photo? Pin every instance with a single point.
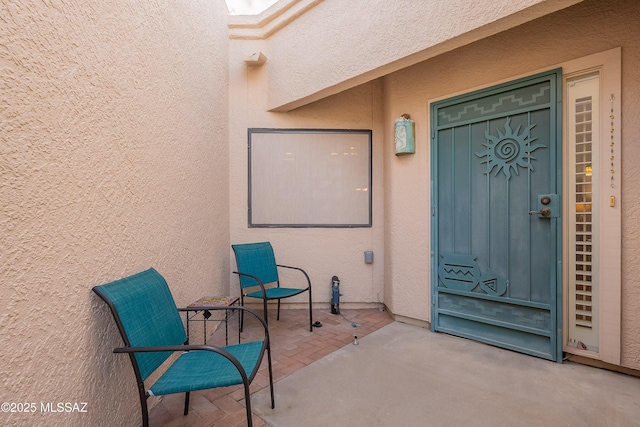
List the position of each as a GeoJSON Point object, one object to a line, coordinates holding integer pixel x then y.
{"type": "Point", "coordinates": [405, 135]}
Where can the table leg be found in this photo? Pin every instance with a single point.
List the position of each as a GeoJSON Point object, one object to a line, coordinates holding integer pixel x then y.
{"type": "Point", "coordinates": [206, 314]}
{"type": "Point", "coordinates": [226, 327]}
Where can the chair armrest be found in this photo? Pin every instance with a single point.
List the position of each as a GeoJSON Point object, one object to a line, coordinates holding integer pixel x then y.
{"type": "Point", "coordinates": [221, 351]}
{"type": "Point", "coordinates": [188, 347]}
{"type": "Point", "coordinates": [299, 269]}
{"type": "Point", "coordinates": [256, 278]}
{"type": "Point", "coordinates": [158, 348]}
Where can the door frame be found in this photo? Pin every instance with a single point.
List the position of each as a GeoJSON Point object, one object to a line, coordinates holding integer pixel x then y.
{"type": "Point", "coordinates": [556, 122]}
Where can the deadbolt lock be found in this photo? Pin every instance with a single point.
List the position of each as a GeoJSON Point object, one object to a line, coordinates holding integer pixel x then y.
{"type": "Point", "coordinates": [548, 206]}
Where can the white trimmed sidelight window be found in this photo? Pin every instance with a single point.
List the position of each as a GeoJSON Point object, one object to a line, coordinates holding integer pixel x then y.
{"type": "Point", "coordinates": [583, 117]}
{"type": "Point", "coordinates": [592, 216]}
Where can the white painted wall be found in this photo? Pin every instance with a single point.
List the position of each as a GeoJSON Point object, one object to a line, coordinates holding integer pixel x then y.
{"type": "Point", "coordinates": [113, 159]}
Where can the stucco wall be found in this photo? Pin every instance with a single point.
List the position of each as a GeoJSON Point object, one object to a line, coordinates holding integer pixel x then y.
{"type": "Point", "coordinates": [401, 225]}
{"type": "Point", "coordinates": [113, 159]}
{"type": "Point", "coordinates": [322, 252]}
{"type": "Point", "coordinates": [377, 37]}
{"type": "Point", "coordinates": [586, 28]}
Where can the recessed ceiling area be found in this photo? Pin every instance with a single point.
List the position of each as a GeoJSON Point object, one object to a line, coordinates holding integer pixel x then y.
{"type": "Point", "coordinates": [248, 7]}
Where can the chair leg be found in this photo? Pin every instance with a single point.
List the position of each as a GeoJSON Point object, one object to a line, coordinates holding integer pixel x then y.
{"type": "Point", "coordinates": [145, 413]}
{"type": "Point", "coordinates": [273, 402]}
{"type": "Point", "coordinates": [247, 399]}
{"type": "Point", "coordinates": [278, 318]}
{"type": "Point", "coordinates": [266, 317]}
{"type": "Point", "coordinates": [241, 314]}
{"type": "Point", "coordinates": [186, 403]}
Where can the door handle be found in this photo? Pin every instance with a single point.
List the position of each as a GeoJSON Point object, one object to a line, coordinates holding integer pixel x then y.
{"type": "Point", "coordinates": [542, 212]}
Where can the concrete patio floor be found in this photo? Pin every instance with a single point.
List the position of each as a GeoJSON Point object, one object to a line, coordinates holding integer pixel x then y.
{"type": "Point", "coordinates": [403, 375]}
{"type": "Point", "coordinates": [293, 348]}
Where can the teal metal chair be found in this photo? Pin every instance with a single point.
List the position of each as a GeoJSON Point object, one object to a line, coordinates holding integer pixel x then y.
{"type": "Point", "coordinates": [257, 269]}
{"type": "Point", "coordinates": [152, 331]}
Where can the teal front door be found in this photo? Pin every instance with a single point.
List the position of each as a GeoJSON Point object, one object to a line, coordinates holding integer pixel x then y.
{"type": "Point", "coordinates": [496, 241]}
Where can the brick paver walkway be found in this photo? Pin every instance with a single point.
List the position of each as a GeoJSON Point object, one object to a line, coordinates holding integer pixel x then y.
{"type": "Point", "coordinates": [292, 346]}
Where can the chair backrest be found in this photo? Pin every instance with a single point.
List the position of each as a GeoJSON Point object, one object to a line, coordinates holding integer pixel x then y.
{"type": "Point", "coordinates": [258, 260]}
{"type": "Point", "coordinates": [146, 315]}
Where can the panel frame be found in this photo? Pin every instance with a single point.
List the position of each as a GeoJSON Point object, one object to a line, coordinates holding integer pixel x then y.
{"type": "Point", "coordinates": [554, 349]}
{"type": "Point", "coordinates": [253, 136]}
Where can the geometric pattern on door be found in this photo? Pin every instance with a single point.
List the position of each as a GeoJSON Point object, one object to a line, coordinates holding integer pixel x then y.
{"type": "Point", "coordinates": [497, 311]}
{"type": "Point", "coordinates": [462, 272]}
{"type": "Point", "coordinates": [496, 237]}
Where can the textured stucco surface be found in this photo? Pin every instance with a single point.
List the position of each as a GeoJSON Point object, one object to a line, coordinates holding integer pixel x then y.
{"type": "Point", "coordinates": [401, 229]}
{"type": "Point", "coordinates": [119, 144]}
{"type": "Point", "coordinates": [548, 41]}
{"type": "Point", "coordinates": [322, 252]}
{"type": "Point", "coordinates": [376, 37]}
{"type": "Point", "coordinates": [113, 159]}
